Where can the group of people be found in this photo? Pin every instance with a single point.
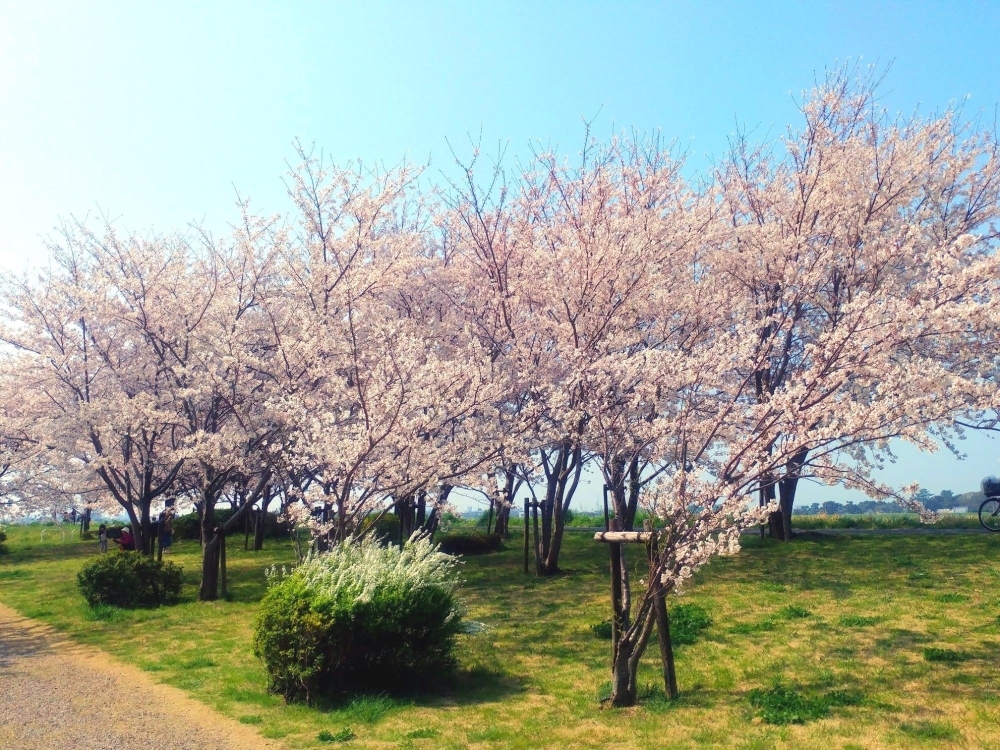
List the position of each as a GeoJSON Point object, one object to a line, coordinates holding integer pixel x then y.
{"type": "Point", "coordinates": [126, 541]}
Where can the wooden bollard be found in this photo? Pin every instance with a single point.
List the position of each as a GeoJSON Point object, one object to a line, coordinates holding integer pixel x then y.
{"type": "Point", "coordinates": [526, 534]}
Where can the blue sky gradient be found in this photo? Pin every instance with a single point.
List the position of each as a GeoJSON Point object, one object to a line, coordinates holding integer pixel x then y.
{"type": "Point", "coordinates": [156, 114]}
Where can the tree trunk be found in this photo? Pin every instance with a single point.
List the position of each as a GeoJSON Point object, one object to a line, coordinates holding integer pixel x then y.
{"type": "Point", "coordinates": [625, 668]}
{"type": "Point", "coordinates": [776, 526]}
{"type": "Point", "coordinates": [211, 560]}
{"type": "Point", "coordinates": [786, 495]}
{"type": "Point", "coordinates": [561, 484]}
{"type": "Point", "coordinates": [261, 525]}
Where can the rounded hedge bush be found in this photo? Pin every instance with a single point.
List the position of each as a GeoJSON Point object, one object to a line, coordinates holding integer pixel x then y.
{"type": "Point", "coordinates": [475, 543]}
{"type": "Point", "coordinates": [128, 579]}
{"type": "Point", "coordinates": [360, 617]}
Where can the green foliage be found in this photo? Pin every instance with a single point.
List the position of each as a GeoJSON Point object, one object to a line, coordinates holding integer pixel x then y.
{"type": "Point", "coordinates": [369, 709]}
{"type": "Point", "coordinates": [786, 705]}
{"type": "Point", "coordinates": [602, 630]}
{"type": "Point", "coordinates": [359, 618]}
{"type": "Point", "coordinates": [386, 528]}
{"type": "Point", "coordinates": [945, 655]}
{"type": "Point", "coordinates": [188, 525]}
{"type": "Point", "coordinates": [686, 623]}
{"type": "Point", "coordinates": [3, 538]}
{"type": "Point", "coordinates": [128, 579]}
{"type": "Point", "coordinates": [470, 544]}
{"type": "Point", "coordinates": [344, 735]}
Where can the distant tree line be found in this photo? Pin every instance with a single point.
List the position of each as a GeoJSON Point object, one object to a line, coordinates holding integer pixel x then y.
{"type": "Point", "coordinates": [944, 500]}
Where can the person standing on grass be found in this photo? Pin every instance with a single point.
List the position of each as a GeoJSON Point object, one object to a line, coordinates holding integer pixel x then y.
{"type": "Point", "coordinates": [102, 536]}
{"type": "Point", "coordinates": [166, 529]}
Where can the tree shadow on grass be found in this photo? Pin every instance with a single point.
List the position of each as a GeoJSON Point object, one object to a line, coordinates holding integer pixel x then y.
{"type": "Point", "coordinates": [467, 686]}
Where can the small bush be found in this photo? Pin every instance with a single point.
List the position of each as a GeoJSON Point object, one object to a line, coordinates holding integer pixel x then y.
{"type": "Point", "coordinates": [361, 617]}
{"type": "Point", "coordinates": [128, 579]}
{"type": "Point", "coordinates": [470, 544]}
{"type": "Point", "coordinates": [602, 630]}
{"type": "Point", "coordinates": [3, 538]}
{"type": "Point", "coordinates": [686, 623]}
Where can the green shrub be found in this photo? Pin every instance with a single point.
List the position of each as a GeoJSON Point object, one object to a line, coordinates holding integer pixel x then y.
{"type": "Point", "coordinates": [603, 631]}
{"type": "Point", "coordinates": [128, 579]}
{"type": "Point", "coordinates": [3, 538]}
{"type": "Point", "coordinates": [361, 617]}
{"type": "Point", "coordinates": [686, 623]}
{"type": "Point", "coordinates": [470, 544]}
{"type": "Point", "coordinates": [188, 525]}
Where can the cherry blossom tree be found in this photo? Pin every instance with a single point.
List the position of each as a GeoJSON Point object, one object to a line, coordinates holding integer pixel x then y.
{"type": "Point", "coordinates": [825, 332]}
{"type": "Point", "coordinates": [99, 417]}
{"type": "Point", "coordinates": [861, 206]}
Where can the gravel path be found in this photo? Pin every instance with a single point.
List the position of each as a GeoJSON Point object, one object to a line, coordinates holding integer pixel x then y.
{"type": "Point", "coordinates": [58, 695]}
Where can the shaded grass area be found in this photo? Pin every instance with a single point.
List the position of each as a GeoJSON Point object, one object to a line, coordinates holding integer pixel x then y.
{"type": "Point", "coordinates": [870, 642]}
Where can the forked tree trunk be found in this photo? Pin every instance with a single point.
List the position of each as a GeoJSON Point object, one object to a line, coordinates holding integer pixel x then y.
{"type": "Point", "coordinates": [625, 666]}
{"type": "Point", "coordinates": [561, 481]}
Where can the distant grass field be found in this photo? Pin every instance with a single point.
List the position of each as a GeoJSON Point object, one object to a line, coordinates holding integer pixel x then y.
{"type": "Point", "coordinates": [875, 642]}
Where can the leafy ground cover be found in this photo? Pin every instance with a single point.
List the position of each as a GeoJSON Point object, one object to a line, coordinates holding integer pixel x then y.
{"type": "Point", "coordinates": [834, 642]}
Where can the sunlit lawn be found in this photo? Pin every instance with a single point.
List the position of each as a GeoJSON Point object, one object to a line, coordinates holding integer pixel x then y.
{"type": "Point", "coordinates": [908, 624]}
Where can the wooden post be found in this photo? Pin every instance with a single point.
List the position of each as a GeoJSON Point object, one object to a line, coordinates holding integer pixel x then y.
{"type": "Point", "coordinates": [526, 535]}
{"type": "Point", "coordinates": [615, 538]}
{"type": "Point", "coordinates": [662, 618]}
{"type": "Point", "coordinates": [617, 616]}
{"type": "Point", "coordinates": [538, 550]}
{"type": "Point", "coordinates": [607, 516]}
{"type": "Point", "coordinates": [222, 566]}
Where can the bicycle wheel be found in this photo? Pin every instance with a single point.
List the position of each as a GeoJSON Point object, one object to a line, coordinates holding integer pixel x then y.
{"type": "Point", "coordinates": [989, 514]}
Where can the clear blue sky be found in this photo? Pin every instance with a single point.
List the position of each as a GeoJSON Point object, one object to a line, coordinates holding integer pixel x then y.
{"type": "Point", "coordinates": [154, 112]}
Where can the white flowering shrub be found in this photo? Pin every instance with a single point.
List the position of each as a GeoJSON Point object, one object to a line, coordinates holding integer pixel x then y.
{"type": "Point", "coordinates": [357, 618]}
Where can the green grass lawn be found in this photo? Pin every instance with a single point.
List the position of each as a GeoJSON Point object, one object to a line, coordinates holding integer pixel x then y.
{"type": "Point", "coordinates": [878, 642]}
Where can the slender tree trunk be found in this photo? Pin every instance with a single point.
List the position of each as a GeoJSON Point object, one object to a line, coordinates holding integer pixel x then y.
{"type": "Point", "coordinates": [261, 526]}
{"type": "Point", "coordinates": [211, 562]}
{"type": "Point", "coordinates": [561, 486]}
